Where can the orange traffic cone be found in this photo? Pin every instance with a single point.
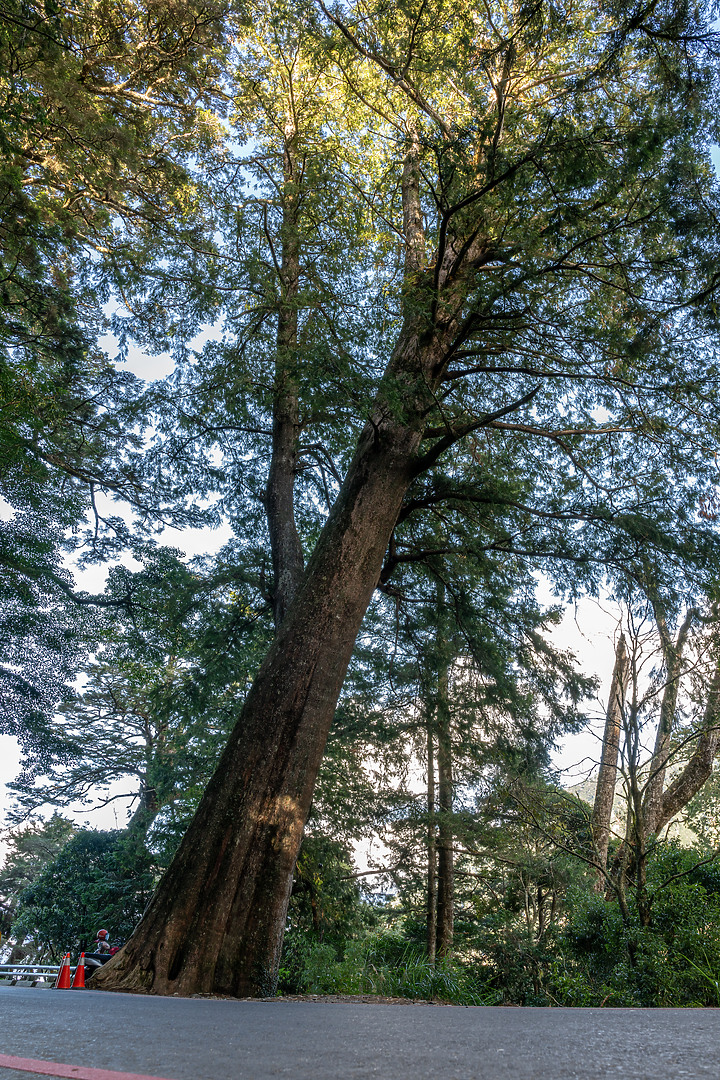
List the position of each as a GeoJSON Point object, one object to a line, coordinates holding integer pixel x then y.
{"type": "Point", "coordinates": [78, 982]}
{"type": "Point", "coordinates": [63, 979]}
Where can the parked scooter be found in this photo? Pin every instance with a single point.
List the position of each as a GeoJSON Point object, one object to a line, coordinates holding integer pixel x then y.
{"type": "Point", "coordinates": [93, 961]}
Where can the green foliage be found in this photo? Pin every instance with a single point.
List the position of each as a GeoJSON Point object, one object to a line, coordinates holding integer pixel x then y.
{"type": "Point", "coordinates": [325, 910]}
{"type": "Point", "coordinates": [564, 290]}
{"type": "Point", "coordinates": [175, 653]}
{"type": "Point", "coordinates": [29, 851]}
{"type": "Point", "coordinates": [85, 162]}
{"type": "Point", "coordinates": [325, 896]}
{"type": "Point", "coordinates": [605, 960]}
{"type": "Point", "coordinates": [98, 879]}
{"type": "Point", "coordinates": [380, 963]}
{"type": "Point", "coordinates": [512, 965]}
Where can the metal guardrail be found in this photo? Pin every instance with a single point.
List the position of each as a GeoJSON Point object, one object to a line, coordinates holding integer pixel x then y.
{"type": "Point", "coordinates": [44, 974]}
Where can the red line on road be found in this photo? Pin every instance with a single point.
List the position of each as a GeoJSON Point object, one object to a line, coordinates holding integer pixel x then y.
{"type": "Point", "coordinates": [73, 1072]}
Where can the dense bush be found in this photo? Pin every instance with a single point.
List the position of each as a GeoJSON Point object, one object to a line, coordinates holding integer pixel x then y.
{"type": "Point", "coordinates": [675, 961]}
{"type": "Point", "coordinates": [98, 879]}
{"type": "Point", "coordinates": [339, 943]}
{"type": "Point", "coordinates": [382, 963]}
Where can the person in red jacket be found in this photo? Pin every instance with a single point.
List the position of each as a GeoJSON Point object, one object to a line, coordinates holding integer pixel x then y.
{"type": "Point", "coordinates": [102, 943]}
{"type": "Point", "coordinates": [102, 951]}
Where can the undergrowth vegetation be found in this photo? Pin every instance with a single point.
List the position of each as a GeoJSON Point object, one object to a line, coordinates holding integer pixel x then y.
{"type": "Point", "coordinates": [590, 956]}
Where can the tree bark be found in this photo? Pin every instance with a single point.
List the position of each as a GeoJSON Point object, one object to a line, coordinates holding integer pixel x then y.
{"type": "Point", "coordinates": [607, 776]}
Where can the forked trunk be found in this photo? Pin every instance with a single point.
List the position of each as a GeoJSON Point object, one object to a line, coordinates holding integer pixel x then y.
{"type": "Point", "coordinates": [674, 655]}
{"type": "Point", "coordinates": [697, 771]}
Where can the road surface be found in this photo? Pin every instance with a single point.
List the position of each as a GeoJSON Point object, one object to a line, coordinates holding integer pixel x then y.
{"type": "Point", "coordinates": [204, 1039]}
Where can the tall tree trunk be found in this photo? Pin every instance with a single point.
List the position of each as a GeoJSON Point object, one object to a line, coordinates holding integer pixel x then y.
{"type": "Point", "coordinates": [446, 861]}
{"type": "Point", "coordinates": [285, 545]}
{"type": "Point", "coordinates": [431, 920]}
{"type": "Point", "coordinates": [607, 776]}
{"type": "Point", "coordinates": [216, 922]}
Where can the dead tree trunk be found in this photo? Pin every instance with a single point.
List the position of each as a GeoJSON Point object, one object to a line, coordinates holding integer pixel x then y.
{"type": "Point", "coordinates": [607, 776]}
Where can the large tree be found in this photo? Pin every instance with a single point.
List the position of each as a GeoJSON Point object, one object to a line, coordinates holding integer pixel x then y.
{"type": "Point", "coordinates": [546, 308]}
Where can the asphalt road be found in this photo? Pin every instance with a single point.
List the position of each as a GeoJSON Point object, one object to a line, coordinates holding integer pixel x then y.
{"type": "Point", "coordinates": [202, 1039]}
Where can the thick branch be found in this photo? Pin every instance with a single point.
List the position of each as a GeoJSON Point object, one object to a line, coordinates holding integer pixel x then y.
{"type": "Point", "coordinates": [454, 435]}
{"type": "Point", "coordinates": [698, 769]}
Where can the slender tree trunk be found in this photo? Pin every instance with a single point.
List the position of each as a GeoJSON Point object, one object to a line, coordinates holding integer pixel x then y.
{"type": "Point", "coordinates": [446, 862]}
{"type": "Point", "coordinates": [431, 920]}
{"type": "Point", "coordinates": [698, 769]}
{"type": "Point", "coordinates": [285, 545]}
{"type": "Point", "coordinates": [607, 776]}
{"type": "Point", "coordinates": [674, 655]}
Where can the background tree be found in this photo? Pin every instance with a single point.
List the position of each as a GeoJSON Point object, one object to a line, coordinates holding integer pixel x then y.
{"type": "Point", "coordinates": [95, 127]}
{"type": "Point", "coordinates": [96, 880]}
{"type": "Point", "coordinates": [30, 849]}
{"type": "Point", "coordinates": [176, 649]}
